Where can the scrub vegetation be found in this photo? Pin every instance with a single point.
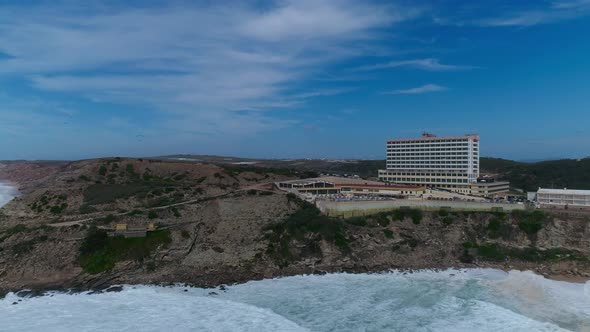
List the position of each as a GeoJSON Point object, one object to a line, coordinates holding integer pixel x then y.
{"type": "Point", "coordinates": [99, 252]}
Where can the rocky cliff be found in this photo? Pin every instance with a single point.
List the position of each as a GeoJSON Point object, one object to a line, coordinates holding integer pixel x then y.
{"type": "Point", "coordinates": [219, 226]}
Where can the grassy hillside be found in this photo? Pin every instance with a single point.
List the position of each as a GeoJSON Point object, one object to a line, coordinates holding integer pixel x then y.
{"type": "Point", "coordinates": [565, 173]}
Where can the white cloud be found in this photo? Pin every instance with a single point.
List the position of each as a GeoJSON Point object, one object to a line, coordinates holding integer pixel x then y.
{"type": "Point", "coordinates": [418, 90]}
{"type": "Point", "coordinates": [557, 12]}
{"type": "Point", "coordinates": [571, 4]}
{"type": "Point", "coordinates": [429, 64]}
{"type": "Point", "coordinates": [201, 63]}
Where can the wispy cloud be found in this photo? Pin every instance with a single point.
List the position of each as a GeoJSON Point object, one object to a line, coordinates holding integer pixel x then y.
{"type": "Point", "coordinates": [201, 64]}
{"type": "Point", "coordinates": [429, 64]}
{"type": "Point", "coordinates": [418, 90]}
{"type": "Point", "coordinates": [570, 4]}
{"type": "Point", "coordinates": [556, 12]}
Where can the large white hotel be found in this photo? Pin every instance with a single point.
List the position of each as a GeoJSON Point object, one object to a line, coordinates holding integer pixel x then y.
{"type": "Point", "coordinates": [443, 162]}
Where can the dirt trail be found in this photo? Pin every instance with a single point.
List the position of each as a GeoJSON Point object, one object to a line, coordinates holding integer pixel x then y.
{"type": "Point", "coordinates": [261, 187]}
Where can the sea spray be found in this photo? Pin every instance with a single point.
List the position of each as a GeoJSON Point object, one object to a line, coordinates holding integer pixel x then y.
{"type": "Point", "coordinates": [450, 300]}
{"type": "Point", "coordinates": [7, 193]}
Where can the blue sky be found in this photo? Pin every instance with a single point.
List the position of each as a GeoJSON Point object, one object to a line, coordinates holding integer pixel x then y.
{"type": "Point", "coordinates": [291, 78]}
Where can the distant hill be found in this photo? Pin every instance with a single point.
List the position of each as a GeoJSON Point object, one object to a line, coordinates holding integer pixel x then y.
{"type": "Point", "coordinates": [564, 173]}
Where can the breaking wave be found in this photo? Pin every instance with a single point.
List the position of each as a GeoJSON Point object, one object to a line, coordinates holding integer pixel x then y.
{"type": "Point", "coordinates": [452, 300]}
{"type": "Point", "coordinates": [7, 193]}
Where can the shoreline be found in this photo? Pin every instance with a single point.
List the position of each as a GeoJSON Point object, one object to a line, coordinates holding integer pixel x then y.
{"type": "Point", "coordinates": [12, 191]}
{"type": "Point", "coordinates": [76, 288]}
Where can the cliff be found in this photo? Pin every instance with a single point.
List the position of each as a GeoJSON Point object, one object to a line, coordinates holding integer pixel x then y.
{"type": "Point", "coordinates": [219, 225]}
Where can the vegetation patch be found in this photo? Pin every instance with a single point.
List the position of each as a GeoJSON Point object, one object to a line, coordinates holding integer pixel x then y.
{"type": "Point", "coordinates": [99, 252]}
{"type": "Point", "coordinates": [175, 212]}
{"type": "Point", "coordinates": [402, 213]}
{"type": "Point", "coordinates": [308, 226]}
{"type": "Point", "coordinates": [102, 170]}
{"type": "Point", "coordinates": [86, 209]}
{"type": "Point", "coordinates": [15, 230]}
{"type": "Point", "coordinates": [135, 212]}
{"type": "Point", "coordinates": [236, 170]}
{"type": "Point", "coordinates": [388, 233]}
{"type": "Point", "coordinates": [498, 253]}
{"type": "Point", "coordinates": [498, 227]}
{"type": "Point", "coordinates": [357, 221]}
{"type": "Point", "coordinates": [58, 209]}
{"type": "Point", "coordinates": [447, 220]}
{"type": "Point", "coordinates": [49, 202]}
{"type": "Point", "coordinates": [531, 222]}
{"type": "Point", "coordinates": [27, 246]}
{"type": "Point", "coordinates": [109, 193]}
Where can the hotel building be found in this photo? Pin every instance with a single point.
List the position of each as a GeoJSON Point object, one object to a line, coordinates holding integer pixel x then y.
{"type": "Point", "coordinates": [564, 198]}
{"type": "Point", "coordinates": [444, 162]}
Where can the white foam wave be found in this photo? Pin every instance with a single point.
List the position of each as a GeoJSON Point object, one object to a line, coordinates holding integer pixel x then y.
{"type": "Point", "coordinates": [141, 308]}
{"type": "Point", "coordinates": [452, 300]}
{"type": "Point", "coordinates": [7, 193]}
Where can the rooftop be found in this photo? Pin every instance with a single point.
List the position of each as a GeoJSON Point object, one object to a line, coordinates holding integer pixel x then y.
{"type": "Point", "coordinates": [563, 191]}
{"type": "Point", "coordinates": [431, 137]}
{"type": "Point", "coordinates": [338, 181]}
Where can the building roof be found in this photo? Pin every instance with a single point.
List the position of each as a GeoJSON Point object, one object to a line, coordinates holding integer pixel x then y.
{"type": "Point", "coordinates": [563, 191]}
{"type": "Point", "coordinates": [341, 182]}
{"type": "Point", "coordinates": [436, 138]}
{"type": "Point", "coordinates": [490, 184]}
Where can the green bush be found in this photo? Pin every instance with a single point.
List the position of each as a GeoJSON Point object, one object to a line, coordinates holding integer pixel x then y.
{"type": "Point", "coordinates": [382, 219]}
{"type": "Point", "coordinates": [388, 233]}
{"type": "Point", "coordinates": [58, 209]}
{"type": "Point", "coordinates": [309, 226]}
{"type": "Point", "coordinates": [498, 228]}
{"type": "Point", "coordinates": [357, 221]}
{"type": "Point", "coordinates": [469, 245]}
{"type": "Point", "coordinates": [404, 212]}
{"type": "Point", "coordinates": [102, 170]}
{"type": "Point", "coordinates": [152, 215]}
{"type": "Point", "coordinates": [492, 251]}
{"type": "Point", "coordinates": [99, 252]}
{"type": "Point", "coordinates": [447, 220]}
{"type": "Point", "coordinates": [530, 222]}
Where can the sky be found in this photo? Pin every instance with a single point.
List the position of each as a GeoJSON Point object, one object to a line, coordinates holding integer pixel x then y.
{"type": "Point", "coordinates": [292, 78]}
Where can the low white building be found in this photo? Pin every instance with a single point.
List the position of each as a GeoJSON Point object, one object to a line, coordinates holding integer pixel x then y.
{"type": "Point", "coordinates": [330, 185]}
{"type": "Point", "coordinates": [564, 198]}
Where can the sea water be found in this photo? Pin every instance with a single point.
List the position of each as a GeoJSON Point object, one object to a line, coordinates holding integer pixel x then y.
{"type": "Point", "coordinates": [7, 193]}
{"type": "Point", "coordinates": [451, 300]}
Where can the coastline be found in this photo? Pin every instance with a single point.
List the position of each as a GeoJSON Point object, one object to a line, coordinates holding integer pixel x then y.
{"type": "Point", "coordinates": [11, 192]}
{"type": "Point", "coordinates": [230, 279]}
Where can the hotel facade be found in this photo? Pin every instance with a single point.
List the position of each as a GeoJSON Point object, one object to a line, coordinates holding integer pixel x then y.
{"type": "Point", "coordinates": [443, 162]}
{"type": "Point", "coordinates": [563, 198]}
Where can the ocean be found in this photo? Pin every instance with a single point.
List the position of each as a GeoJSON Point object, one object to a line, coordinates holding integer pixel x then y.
{"type": "Point", "coordinates": [452, 300]}
{"type": "Point", "coordinates": [7, 193]}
